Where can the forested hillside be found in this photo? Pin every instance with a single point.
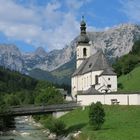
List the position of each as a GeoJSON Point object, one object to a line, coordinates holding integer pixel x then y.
{"type": "Point", "coordinates": [127, 68]}
{"type": "Point", "coordinates": [19, 89]}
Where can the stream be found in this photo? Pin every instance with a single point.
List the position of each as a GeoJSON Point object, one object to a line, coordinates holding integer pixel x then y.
{"type": "Point", "coordinates": [24, 130]}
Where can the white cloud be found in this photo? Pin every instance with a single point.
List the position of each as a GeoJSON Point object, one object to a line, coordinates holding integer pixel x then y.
{"type": "Point", "coordinates": [46, 25]}
{"type": "Point", "coordinates": [131, 8]}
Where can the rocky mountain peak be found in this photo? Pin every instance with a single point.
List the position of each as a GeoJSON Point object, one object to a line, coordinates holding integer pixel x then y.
{"type": "Point", "coordinates": [40, 52]}
{"type": "Point", "coordinates": [10, 57]}
{"type": "Point", "coordinates": [9, 49]}
{"type": "Point", "coordinates": [114, 42]}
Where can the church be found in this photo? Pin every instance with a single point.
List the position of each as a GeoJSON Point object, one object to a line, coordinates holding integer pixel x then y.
{"type": "Point", "coordinates": [93, 73]}
{"type": "Point", "coordinates": [94, 79]}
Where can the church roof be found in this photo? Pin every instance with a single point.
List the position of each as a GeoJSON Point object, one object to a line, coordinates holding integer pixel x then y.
{"type": "Point", "coordinates": [108, 72]}
{"type": "Point", "coordinates": [94, 63]}
{"type": "Point", "coordinates": [91, 90]}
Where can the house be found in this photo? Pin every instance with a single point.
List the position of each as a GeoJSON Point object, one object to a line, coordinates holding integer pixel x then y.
{"type": "Point", "coordinates": [93, 73]}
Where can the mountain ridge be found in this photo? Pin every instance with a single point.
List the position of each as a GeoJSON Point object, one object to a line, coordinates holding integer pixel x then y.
{"type": "Point", "coordinates": [114, 42]}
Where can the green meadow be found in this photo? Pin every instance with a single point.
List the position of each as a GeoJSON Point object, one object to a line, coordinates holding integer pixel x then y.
{"type": "Point", "coordinates": [122, 123]}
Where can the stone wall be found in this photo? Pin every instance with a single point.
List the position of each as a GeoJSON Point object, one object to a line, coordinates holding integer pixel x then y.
{"type": "Point", "coordinates": [121, 99]}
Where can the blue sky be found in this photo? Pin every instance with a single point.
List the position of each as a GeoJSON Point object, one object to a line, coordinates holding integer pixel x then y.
{"type": "Point", "coordinates": [52, 24]}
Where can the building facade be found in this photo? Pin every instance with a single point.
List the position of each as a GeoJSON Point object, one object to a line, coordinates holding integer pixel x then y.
{"type": "Point", "coordinates": [93, 74]}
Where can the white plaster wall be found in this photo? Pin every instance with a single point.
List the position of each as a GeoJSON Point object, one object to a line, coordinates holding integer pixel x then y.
{"type": "Point", "coordinates": [134, 99]}
{"type": "Point", "coordinates": [74, 86]}
{"type": "Point", "coordinates": [79, 50]}
{"type": "Point", "coordinates": [85, 81]}
{"type": "Point", "coordinates": [105, 80]}
{"type": "Point", "coordinates": [94, 73]}
{"type": "Point", "coordinates": [79, 53]}
{"type": "Point", "coordinates": [59, 114]}
{"type": "Point", "coordinates": [80, 83]}
{"type": "Point", "coordinates": [79, 62]}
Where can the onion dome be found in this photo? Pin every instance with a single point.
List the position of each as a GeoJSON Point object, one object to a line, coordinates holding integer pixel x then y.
{"type": "Point", "coordinates": [83, 38]}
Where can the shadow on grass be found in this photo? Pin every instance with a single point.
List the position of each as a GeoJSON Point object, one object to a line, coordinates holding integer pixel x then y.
{"type": "Point", "coordinates": [74, 128]}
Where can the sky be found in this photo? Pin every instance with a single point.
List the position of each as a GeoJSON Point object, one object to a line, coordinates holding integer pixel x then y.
{"type": "Point", "coordinates": [52, 24]}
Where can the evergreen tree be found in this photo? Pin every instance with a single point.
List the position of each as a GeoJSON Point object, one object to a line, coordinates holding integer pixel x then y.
{"type": "Point", "coordinates": [96, 115]}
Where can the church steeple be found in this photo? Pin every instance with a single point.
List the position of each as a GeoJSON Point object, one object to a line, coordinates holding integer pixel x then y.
{"type": "Point", "coordinates": [83, 46]}
{"type": "Point", "coordinates": [83, 26]}
{"type": "Point", "coordinates": [83, 38]}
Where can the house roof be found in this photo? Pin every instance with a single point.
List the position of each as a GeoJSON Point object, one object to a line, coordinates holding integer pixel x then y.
{"type": "Point", "coordinates": [94, 63]}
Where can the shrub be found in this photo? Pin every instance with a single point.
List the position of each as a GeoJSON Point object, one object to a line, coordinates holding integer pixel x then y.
{"type": "Point", "coordinates": [96, 115]}
{"type": "Point", "coordinates": [55, 126]}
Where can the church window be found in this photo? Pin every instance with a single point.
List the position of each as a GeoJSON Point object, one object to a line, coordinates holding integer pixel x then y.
{"type": "Point", "coordinates": [108, 86]}
{"type": "Point", "coordinates": [84, 52]}
{"type": "Point", "coordinates": [90, 65]}
{"type": "Point", "coordinates": [96, 79]}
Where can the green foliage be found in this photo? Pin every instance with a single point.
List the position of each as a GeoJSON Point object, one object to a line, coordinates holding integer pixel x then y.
{"type": "Point", "coordinates": [3, 107]}
{"type": "Point", "coordinates": [125, 64]}
{"type": "Point", "coordinates": [136, 48]}
{"type": "Point", "coordinates": [121, 121]}
{"type": "Point", "coordinates": [128, 62]}
{"type": "Point", "coordinates": [11, 81]}
{"type": "Point", "coordinates": [130, 82]}
{"type": "Point", "coordinates": [11, 99]}
{"type": "Point", "coordinates": [19, 89]}
{"type": "Point", "coordinates": [47, 95]}
{"type": "Point", "coordinates": [96, 115]}
{"type": "Point", "coordinates": [55, 126]}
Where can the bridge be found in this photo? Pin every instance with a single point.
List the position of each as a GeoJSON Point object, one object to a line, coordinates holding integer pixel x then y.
{"type": "Point", "coordinates": [41, 109]}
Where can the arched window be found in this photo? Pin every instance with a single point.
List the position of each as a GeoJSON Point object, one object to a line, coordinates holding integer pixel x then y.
{"type": "Point", "coordinates": [84, 52]}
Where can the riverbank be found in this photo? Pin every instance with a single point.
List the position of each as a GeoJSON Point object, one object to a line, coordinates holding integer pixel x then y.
{"type": "Point", "coordinates": [121, 122]}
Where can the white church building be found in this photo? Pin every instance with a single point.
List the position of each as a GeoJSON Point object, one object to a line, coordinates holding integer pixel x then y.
{"type": "Point", "coordinates": [94, 79]}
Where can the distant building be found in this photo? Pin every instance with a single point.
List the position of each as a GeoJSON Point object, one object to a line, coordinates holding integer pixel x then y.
{"type": "Point", "coordinates": [93, 74]}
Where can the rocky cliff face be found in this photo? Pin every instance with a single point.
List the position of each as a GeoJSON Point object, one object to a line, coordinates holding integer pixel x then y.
{"type": "Point", "coordinates": [115, 42]}
{"type": "Point", "coordinates": [10, 57]}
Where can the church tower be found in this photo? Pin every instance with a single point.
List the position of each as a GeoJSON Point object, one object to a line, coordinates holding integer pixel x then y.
{"type": "Point", "coordinates": [83, 46]}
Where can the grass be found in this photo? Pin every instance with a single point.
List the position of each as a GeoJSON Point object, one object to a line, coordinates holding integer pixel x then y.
{"type": "Point", "coordinates": [122, 123]}
{"type": "Point", "coordinates": [131, 81]}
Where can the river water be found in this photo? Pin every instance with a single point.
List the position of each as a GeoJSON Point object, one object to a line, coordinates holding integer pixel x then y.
{"type": "Point", "coordinates": [24, 130]}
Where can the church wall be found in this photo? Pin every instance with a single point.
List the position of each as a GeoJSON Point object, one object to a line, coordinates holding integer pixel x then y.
{"type": "Point", "coordinates": [81, 82]}
{"type": "Point", "coordinates": [107, 82]}
{"type": "Point", "coordinates": [79, 51]}
{"type": "Point", "coordinates": [94, 73]}
{"type": "Point", "coordinates": [85, 81]}
{"type": "Point", "coordinates": [74, 86]}
{"type": "Point", "coordinates": [79, 56]}
{"type": "Point", "coordinates": [122, 99]}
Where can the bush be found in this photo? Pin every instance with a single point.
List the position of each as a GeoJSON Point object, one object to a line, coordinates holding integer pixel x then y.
{"type": "Point", "coordinates": [96, 115]}
{"type": "Point", "coordinates": [55, 126]}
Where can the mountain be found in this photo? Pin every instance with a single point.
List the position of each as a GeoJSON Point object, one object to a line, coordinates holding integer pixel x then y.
{"type": "Point", "coordinates": [11, 57]}
{"type": "Point", "coordinates": [115, 42]}
{"type": "Point", "coordinates": [60, 75]}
